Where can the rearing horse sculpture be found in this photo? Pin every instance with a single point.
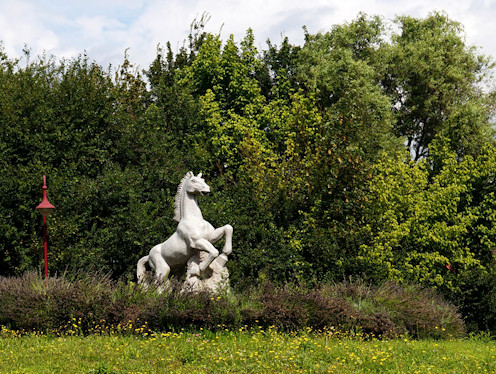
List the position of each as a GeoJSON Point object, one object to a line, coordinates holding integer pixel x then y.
{"type": "Point", "coordinates": [193, 234]}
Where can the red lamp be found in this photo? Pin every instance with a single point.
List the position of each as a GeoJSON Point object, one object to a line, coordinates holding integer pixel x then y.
{"type": "Point", "coordinates": [45, 208]}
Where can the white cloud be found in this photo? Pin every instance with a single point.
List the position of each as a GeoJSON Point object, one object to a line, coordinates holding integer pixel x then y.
{"type": "Point", "coordinates": [20, 24]}
{"type": "Point", "coordinates": [106, 28]}
{"type": "Point", "coordinates": [93, 28]}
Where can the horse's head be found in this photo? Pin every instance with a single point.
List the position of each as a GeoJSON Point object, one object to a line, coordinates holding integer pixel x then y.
{"type": "Point", "coordinates": [197, 185]}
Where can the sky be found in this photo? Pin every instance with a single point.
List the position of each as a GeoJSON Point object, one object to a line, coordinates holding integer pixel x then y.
{"type": "Point", "coordinates": [105, 30]}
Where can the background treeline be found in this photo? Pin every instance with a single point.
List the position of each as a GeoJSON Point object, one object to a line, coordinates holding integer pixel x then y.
{"type": "Point", "coordinates": [364, 152]}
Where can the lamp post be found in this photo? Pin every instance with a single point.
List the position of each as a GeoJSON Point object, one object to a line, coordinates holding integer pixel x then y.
{"type": "Point", "coordinates": [45, 208]}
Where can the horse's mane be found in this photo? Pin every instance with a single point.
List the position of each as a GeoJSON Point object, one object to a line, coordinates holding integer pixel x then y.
{"type": "Point", "coordinates": [177, 201]}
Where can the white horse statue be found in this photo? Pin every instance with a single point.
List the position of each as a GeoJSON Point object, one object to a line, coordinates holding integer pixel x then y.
{"type": "Point", "coordinates": [193, 234]}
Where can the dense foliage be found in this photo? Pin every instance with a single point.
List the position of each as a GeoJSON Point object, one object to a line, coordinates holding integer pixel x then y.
{"type": "Point", "coordinates": [363, 152]}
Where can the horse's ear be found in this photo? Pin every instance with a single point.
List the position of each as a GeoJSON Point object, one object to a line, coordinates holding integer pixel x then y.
{"type": "Point", "coordinates": [199, 175]}
{"type": "Point", "coordinates": [190, 174]}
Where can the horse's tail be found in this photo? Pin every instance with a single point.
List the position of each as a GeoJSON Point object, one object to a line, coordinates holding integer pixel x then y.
{"type": "Point", "coordinates": [140, 271]}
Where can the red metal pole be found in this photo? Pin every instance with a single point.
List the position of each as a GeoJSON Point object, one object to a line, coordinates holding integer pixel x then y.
{"type": "Point", "coordinates": [45, 245]}
{"type": "Point", "coordinates": [45, 208]}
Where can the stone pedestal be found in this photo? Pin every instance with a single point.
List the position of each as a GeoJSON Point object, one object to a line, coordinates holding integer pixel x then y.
{"type": "Point", "coordinates": [214, 279]}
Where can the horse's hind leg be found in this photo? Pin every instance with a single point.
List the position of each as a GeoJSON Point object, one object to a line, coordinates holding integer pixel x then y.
{"type": "Point", "coordinates": [162, 269]}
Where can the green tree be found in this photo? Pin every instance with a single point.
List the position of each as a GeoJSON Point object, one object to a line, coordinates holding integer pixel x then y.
{"type": "Point", "coordinates": [436, 84]}
{"type": "Point", "coordinates": [106, 152]}
{"type": "Point", "coordinates": [280, 76]}
{"type": "Point", "coordinates": [432, 229]}
{"type": "Point", "coordinates": [60, 127]}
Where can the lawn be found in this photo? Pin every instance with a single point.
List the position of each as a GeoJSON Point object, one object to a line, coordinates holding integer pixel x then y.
{"type": "Point", "coordinates": [244, 351]}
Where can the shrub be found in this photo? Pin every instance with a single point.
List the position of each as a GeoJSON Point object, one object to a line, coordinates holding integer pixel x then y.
{"type": "Point", "coordinates": [476, 300]}
{"type": "Point", "coordinates": [174, 309]}
{"type": "Point", "coordinates": [95, 303]}
{"type": "Point", "coordinates": [419, 311]}
{"type": "Point", "coordinates": [33, 303]}
{"type": "Point", "coordinates": [391, 309]}
{"type": "Point", "coordinates": [290, 308]}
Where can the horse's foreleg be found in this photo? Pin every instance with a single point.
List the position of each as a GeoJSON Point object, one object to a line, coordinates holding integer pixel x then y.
{"type": "Point", "coordinates": [218, 233]}
{"type": "Point", "coordinates": [205, 245]}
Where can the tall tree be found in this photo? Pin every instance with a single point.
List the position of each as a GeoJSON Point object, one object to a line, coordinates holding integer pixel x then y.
{"type": "Point", "coordinates": [436, 83]}
{"type": "Point", "coordinates": [431, 229]}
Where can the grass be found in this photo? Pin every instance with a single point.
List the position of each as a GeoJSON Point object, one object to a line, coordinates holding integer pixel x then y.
{"type": "Point", "coordinates": [91, 324]}
{"type": "Point", "coordinates": [242, 351]}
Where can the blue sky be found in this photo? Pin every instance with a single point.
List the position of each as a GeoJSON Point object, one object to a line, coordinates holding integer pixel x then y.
{"type": "Point", "coordinates": [105, 29]}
